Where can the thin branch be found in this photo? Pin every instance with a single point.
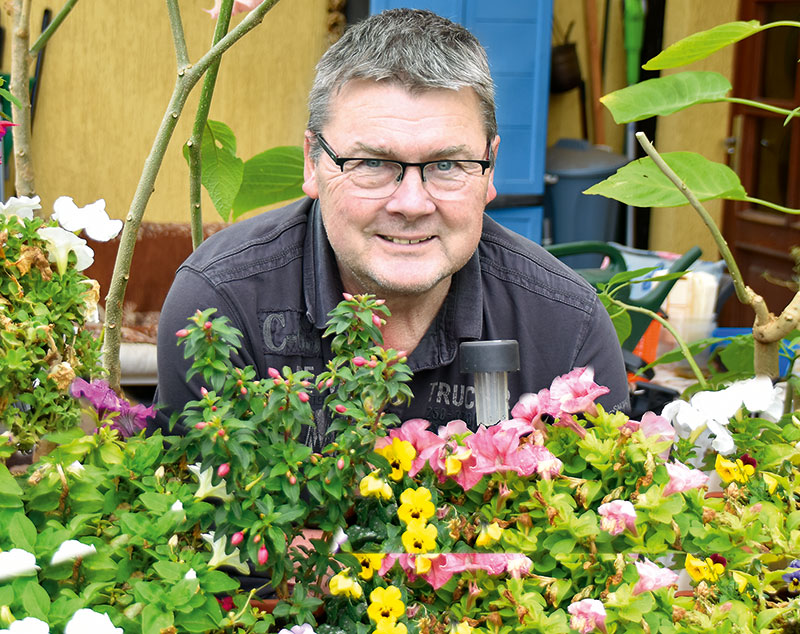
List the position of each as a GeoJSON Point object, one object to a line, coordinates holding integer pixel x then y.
{"type": "Point", "coordinates": [178, 37]}
{"type": "Point", "coordinates": [195, 142]}
{"type": "Point", "coordinates": [771, 205]}
{"type": "Point", "coordinates": [122, 266]}
{"type": "Point", "coordinates": [51, 28]}
{"type": "Point", "coordinates": [742, 292]}
{"type": "Point", "coordinates": [20, 88]}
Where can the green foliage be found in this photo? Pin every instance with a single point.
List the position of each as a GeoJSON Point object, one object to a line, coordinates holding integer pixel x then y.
{"type": "Point", "coordinates": [239, 186]}
{"type": "Point", "coordinates": [44, 343]}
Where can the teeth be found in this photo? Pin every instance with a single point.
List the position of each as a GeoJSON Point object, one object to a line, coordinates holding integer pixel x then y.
{"type": "Point", "coordinates": [401, 241]}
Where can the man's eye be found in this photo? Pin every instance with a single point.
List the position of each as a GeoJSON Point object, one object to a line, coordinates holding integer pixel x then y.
{"type": "Point", "coordinates": [373, 163]}
{"type": "Point", "coordinates": [444, 166]}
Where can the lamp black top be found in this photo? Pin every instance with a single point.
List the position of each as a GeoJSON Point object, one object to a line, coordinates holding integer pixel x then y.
{"type": "Point", "coordinates": [501, 355]}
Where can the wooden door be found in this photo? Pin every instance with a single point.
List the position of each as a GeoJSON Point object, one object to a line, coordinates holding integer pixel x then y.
{"type": "Point", "coordinates": [766, 156]}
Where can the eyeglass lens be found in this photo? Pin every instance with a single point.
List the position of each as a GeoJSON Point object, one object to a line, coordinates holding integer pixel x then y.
{"type": "Point", "coordinates": [378, 178]}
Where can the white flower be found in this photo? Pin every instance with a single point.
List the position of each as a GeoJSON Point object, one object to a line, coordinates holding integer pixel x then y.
{"type": "Point", "coordinates": [305, 628]}
{"type": "Point", "coordinates": [60, 242]}
{"type": "Point", "coordinates": [22, 206]}
{"type": "Point", "coordinates": [70, 550]}
{"type": "Point", "coordinates": [176, 506]}
{"type": "Point", "coordinates": [15, 563]}
{"type": "Point", "coordinates": [204, 487]}
{"type": "Point", "coordinates": [85, 621]}
{"type": "Point", "coordinates": [76, 469]}
{"type": "Point", "coordinates": [220, 558]}
{"type": "Point", "coordinates": [339, 539]}
{"type": "Point", "coordinates": [92, 218]}
{"type": "Point", "coordinates": [28, 625]}
{"type": "Point", "coordinates": [191, 574]}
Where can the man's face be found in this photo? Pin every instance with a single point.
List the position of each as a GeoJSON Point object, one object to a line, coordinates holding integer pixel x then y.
{"type": "Point", "coordinates": [410, 242]}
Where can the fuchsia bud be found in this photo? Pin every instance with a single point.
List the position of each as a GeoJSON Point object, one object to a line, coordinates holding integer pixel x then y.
{"type": "Point", "coordinates": [243, 390]}
{"type": "Point", "coordinates": [263, 555]}
{"type": "Point", "coordinates": [213, 408]}
{"type": "Point", "coordinates": [256, 539]}
{"type": "Point", "coordinates": [329, 382]}
{"type": "Point", "coordinates": [348, 297]}
{"type": "Point", "coordinates": [359, 361]}
{"type": "Point", "coordinates": [221, 433]}
{"type": "Point", "coordinates": [380, 302]}
{"type": "Point", "coordinates": [377, 320]}
{"type": "Point", "coordinates": [340, 408]}
{"type": "Point", "coordinates": [303, 396]}
{"type": "Point", "coordinates": [372, 363]}
{"type": "Point", "coordinates": [182, 333]}
{"type": "Point", "coordinates": [273, 373]}
{"type": "Point", "coordinates": [207, 325]}
{"type": "Point", "coordinates": [340, 464]}
{"type": "Point", "coordinates": [237, 538]}
{"type": "Point", "coordinates": [203, 391]}
{"type": "Point", "coordinates": [224, 469]}
{"type": "Point", "coordinates": [200, 425]}
{"type": "Point", "coordinates": [292, 479]}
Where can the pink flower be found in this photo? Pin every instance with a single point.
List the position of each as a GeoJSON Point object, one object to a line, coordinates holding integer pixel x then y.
{"type": "Point", "coordinates": [450, 443]}
{"type": "Point", "coordinates": [652, 577]}
{"type": "Point", "coordinates": [518, 565]}
{"type": "Point", "coordinates": [575, 393]}
{"type": "Point", "coordinates": [531, 407]}
{"type": "Point", "coordinates": [239, 6]}
{"type": "Point", "coordinates": [491, 563]}
{"type": "Point", "coordinates": [617, 516]}
{"type": "Point", "coordinates": [497, 448]}
{"type": "Point", "coordinates": [416, 432]}
{"type": "Point", "coordinates": [682, 478]}
{"type": "Point", "coordinates": [654, 425]}
{"type": "Point", "coordinates": [587, 615]}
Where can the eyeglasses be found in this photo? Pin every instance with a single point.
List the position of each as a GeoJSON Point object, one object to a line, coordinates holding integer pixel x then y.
{"type": "Point", "coordinates": [444, 179]}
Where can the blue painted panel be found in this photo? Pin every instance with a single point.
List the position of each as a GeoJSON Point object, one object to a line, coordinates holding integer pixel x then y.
{"type": "Point", "coordinates": [526, 221]}
{"type": "Point", "coordinates": [450, 9]}
{"type": "Point", "coordinates": [506, 9]}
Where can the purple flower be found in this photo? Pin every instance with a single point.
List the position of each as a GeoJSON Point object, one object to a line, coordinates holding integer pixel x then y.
{"type": "Point", "coordinates": [793, 576]}
{"type": "Point", "coordinates": [127, 419]}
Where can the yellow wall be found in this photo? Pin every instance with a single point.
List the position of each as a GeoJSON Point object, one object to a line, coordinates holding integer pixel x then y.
{"type": "Point", "coordinates": [108, 76]}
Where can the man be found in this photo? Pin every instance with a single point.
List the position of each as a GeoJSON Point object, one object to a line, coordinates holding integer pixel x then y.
{"type": "Point", "coordinates": [399, 166]}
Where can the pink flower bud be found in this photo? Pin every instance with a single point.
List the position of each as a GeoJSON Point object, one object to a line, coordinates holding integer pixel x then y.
{"type": "Point", "coordinates": [200, 425]}
{"type": "Point", "coordinates": [182, 333]}
{"type": "Point", "coordinates": [224, 469]}
{"type": "Point", "coordinates": [377, 320]}
{"type": "Point", "coordinates": [273, 373]}
{"type": "Point", "coordinates": [303, 396]}
{"type": "Point", "coordinates": [237, 538]}
{"type": "Point", "coordinates": [329, 382]}
{"type": "Point", "coordinates": [340, 408]}
{"type": "Point", "coordinates": [243, 390]}
{"type": "Point", "coordinates": [340, 464]}
{"type": "Point", "coordinates": [221, 433]}
{"type": "Point", "coordinates": [380, 302]}
{"type": "Point", "coordinates": [263, 555]}
{"type": "Point", "coordinates": [213, 408]}
{"type": "Point", "coordinates": [203, 391]}
{"type": "Point", "coordinates": [372, 363]}
{"type": "Point", "coordinates": [256, 539]}
{"type": "Point", "coordinates": [359, 361]}
{"type": "Point", "coordinates": [292, 479]}
{"type": "Point", "coordinates": [207, 325]}
{"type": "Point", "coordinates": [348, 297]}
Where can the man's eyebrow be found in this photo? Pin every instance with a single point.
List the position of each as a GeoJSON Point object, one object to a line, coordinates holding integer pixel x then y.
{"type": "Point", "coordinates": [444, 152]}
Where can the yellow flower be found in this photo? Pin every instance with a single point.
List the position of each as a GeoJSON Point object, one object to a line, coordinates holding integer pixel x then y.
{"type": "Point", "coordinates": [771, 481]}
{"type": "Point", "coordinates": [422, 563]}
{"type": "Point", "coordinates": [703, 569]}
{"type": "Point", "coordinates": [452, 464]}
{"type": "Point", "coordinates": [374, 485]}
{"type": "Point", "coordinates": [388, 627]}
{"type": "Point", "coordinates": [740, 579]}
{"type": "Point", "coordinates": [400, 454]}
{"type": "Point", "coordinates": [416, 505]}
{"type": "Point", "coordinates": [462, 628]}
{"type": "Point", "coordinates": [386, 604]}
{"type": "Point", "coordinates": [370, 562]}
{"type": "Point", "coordinates": [419, 537]}
{"type": "Point", "coordinates": [489, 534]}
{"type": "Point", "coordinates": [730, 471]}
{"type": "Point", "coordinates": [342, 584]}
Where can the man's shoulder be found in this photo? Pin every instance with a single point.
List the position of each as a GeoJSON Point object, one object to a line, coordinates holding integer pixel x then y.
{"type": "Point", "coordinates": [265, 241]}
{"type": "Point", "coordinates": [527, 267]}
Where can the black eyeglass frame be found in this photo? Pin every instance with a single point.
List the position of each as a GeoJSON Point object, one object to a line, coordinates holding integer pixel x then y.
{"type": "Point", "coordinates": [340, 160]}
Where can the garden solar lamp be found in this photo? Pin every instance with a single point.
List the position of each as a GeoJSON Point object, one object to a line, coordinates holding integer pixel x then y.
{"type": "Point", "coordinates": [490, 361]}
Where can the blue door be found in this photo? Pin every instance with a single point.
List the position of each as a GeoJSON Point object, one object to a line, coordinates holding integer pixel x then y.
{"type": "Point", "coordinates": [516, 35]}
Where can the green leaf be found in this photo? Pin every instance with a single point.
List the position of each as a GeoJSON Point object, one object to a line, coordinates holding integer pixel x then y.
{"type": "Point", "coordinates": [36, 601]}
{"type": "Point", "coordinates": [22, 532]}
{"type": "Point", "coordinates": [700, 45]}
{"type": "Point", "coordinates": [8, 485]}
{"type": "Point", "coordinates": [221, 170]}
{"type": "Point", "coordinates": [169, 570]}
{"type": "Point", "coordinates": [195, 621]}
{"type": "Point", "coordinates": [642, 184]}
{"type": "Point", "coordinates": [665, 95]}
{"type": "Point", "coordinates": [270, 177]}
{"type": "Point", "coordinates": [216, 582]}
{"type": "Point", "coordinates": [155, 619]}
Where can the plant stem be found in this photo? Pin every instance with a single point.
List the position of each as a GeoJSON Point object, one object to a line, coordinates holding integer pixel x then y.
{"type": "Point", "coordinates": [20, 88]}
{"type": "Point", "coordinates": [51, 28]}
{"type": "Point", "coordinates": [742, 292]}
{"type": "Point", "coordinates": [178, 37]}
{"type": "Point", "coordinates": [771, 205]}
{"type": "Point", "coordinates": [186, 80]}
{"type": "Point", "coordinates": [195, 143]}
{"type": "Point", "coordinates": [759, 105]}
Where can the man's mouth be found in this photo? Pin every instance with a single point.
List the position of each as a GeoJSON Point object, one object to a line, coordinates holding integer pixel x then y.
{"type": "Point", "coordinates": [407, 241]}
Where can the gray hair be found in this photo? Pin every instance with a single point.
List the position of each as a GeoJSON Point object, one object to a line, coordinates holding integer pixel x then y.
{"type": "Point", "coordinates": [417, 49]}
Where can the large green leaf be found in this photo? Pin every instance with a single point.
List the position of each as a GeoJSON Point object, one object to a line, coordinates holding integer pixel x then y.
{"type": "Point", "coordinates": [665, 95]}
{"type": "Point", "coordinates": [220, 169]}
{"type": "Point", "coordinates": [701, 45]}
{"type": "Point", "coordinates": [270, 177]}
{"type": "Point", "coordinates": [641, 184]}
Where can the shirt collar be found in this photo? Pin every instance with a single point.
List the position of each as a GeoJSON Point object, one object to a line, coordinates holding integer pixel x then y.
{"type": "Point", "coordinates": [322, 285]}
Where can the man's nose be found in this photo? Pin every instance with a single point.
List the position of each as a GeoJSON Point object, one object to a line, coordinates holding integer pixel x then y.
{"type": "Point", "coordinates": [411, 197]}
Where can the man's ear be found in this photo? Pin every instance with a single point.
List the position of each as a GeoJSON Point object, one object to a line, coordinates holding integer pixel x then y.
{"type": "Point", "coordinates": [309, 168]}
{"type": "Point", "coordinates": [491, 191]}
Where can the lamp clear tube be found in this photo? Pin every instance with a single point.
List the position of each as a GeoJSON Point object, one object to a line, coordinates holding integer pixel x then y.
{"type": "Point", "coordinates": [491, 397]}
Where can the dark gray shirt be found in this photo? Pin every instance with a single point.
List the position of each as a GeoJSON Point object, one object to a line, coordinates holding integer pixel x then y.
{"type": "Point", "coordinates": [275, 277]}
